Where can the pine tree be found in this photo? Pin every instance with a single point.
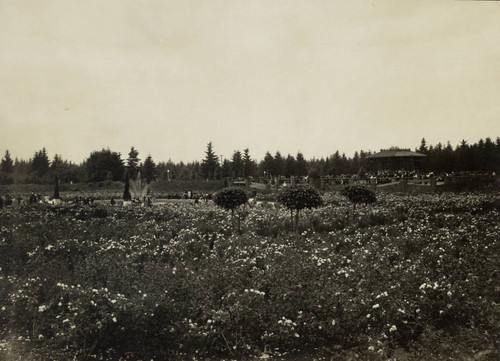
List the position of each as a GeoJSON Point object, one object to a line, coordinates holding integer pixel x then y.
{"type": "Point", "coordinates": [301, 165]}
{"type": "Point", "coordinates": [266, 166]}
{"type": "Point", "coordinates": [57, 164]}
{"type": "Point", "coordinates": [248, 164]}
{"type": "Point", "coordinates": [7, 163]}
{"type": "Point", "coordinates": [226, 170]}
{"type": "Point", "coordinates": [133, 162]}
{"type": "Point", "coordinates": [423, 147]}
{"type": "Point", "coordinates": [237, 164]}
{"type": "Point", "coordinates": [210, 164]}
{"type": "Point", "coordinates": [290, 166]}
{"type": "Point", "coordinates": [149, 169]}
{"type": "Point", "coordinates": [40, 163]}
{"type": "Point", "coordinates": [278, 164]}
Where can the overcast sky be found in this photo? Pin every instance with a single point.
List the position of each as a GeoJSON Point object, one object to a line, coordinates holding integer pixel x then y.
{"type": "Point", "coordinates": [313, 76]}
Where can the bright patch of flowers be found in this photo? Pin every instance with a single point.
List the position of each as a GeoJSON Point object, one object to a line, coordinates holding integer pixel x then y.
{"type": "Point", "coordinates": [175, 281]}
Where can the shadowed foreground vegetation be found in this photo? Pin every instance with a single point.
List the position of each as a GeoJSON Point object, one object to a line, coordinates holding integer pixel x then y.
{"type": "Point", "coordinates": [406, 278]}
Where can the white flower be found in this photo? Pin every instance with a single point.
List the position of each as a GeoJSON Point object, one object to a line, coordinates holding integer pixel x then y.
{"type": "Point", "coordinates": [368, 315]}
{"type": "Point", "coordinates": [371, 348]}
{"type": "Point", "coordinates": [333, 322]}
{"type": "Point", "coordinates": [376, 306]}
{"type": "Point", "coordinates": [114, 319]}
{"type": "Point", "coordinates": [393, 328]}
{"type": "Point", "coordinates": [42, 308]}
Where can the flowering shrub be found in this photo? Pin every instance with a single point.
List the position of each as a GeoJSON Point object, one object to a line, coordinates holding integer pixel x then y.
{"type": "Point", "coordinates": [417, 276]}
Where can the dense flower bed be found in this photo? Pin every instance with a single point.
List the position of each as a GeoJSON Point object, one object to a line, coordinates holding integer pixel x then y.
{"type": "Point", "coordinates": [408, 274]}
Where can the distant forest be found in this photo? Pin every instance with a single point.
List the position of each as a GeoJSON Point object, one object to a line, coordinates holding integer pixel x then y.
{"type": "Point", "coordinates": [107, 165]}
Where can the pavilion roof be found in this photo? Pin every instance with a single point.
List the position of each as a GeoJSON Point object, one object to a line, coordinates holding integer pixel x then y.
{"type": "Point", "coordinates": [396, 153]}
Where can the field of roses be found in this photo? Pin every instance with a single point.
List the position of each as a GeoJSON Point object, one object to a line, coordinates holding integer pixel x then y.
{"type": "Point", "coordinates": [410, 277]}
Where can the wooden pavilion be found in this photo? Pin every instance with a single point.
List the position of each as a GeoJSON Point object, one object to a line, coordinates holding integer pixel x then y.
{"type": "Point", "coordinates": [396, 159]}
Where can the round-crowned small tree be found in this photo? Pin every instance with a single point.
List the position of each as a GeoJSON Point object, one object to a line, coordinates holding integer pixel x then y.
{"type": "Point", "coordinates": [296, 198]}
{"type": "Point", "coordinates": [230, 199]}
{"type": "Point", "coordinates": [358, 194]}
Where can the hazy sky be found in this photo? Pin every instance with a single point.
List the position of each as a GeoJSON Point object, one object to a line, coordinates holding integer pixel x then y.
{"type": "Point", "coordinates": [313, 76]}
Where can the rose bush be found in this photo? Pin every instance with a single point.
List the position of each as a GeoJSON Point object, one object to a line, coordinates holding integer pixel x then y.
{"type": "Point", "coordinates": [173, 281]}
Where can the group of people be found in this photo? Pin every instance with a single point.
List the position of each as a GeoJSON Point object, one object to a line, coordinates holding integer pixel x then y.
{"type": "Point", "coordinates": [83, 200]}
{"type": "Point", "coordinates": [8, 200]}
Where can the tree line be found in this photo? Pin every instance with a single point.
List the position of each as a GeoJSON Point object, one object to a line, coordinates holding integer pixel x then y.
{"type": "Point", "coordinates": [108, 165]}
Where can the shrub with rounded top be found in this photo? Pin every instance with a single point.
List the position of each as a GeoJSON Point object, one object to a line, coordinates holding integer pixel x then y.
{"type": "Point", "coordinates": [359, 194]}
{"type": "Point", "coordinates": [297, 198]}
{"type": "Point", "coordinates": [230, 199]}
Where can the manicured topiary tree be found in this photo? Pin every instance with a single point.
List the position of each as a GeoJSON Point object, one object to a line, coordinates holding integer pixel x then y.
{"type": "Point", "coordinates": [56, 189]}
{"type": "Point", "coordinates": [126, 192]}
{"type": "Point", "coordinates": [296, 198]}
{"type": "Point", "coordinates": [358, 194]}
{"type": "Point", "coordinates": [230, 199]}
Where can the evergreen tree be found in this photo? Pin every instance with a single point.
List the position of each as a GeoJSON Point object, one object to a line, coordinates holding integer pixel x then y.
{"type": "Point", "coordinates": [40, 163]}
{"type": "Point", "coordinates": [290, 166]}
{"type": "Point", "coordinates": [133, 162]}
{"type": "Point", "coordinates": [210, 164]}
{"type": "Point", "coordinates": [104, 164]}
{"type": "Point", "coordinates": [57, 165]}
{"type": "Point", "coordinates": [301, 165]}
{"type": "Point", "coordinates": [278, 165]}
{"type": "Point", "coordinates": [248, 164]}
{"type": "Point", "coordinates": [423, 147]}
{"type": "Point", "coordinates": [266, 166]}
{"type": "Point", "coordinates": [237, 165]}
{"type": "Point", "coordinates": [226, 169]}
{"type": "Point", "coordinates": [335, 164]}
{"type": "Point", "coordinates": [355, 164]}
{"type": "Point", "coordinates": [7, 163]}
{"type": "Point", "coordinates": [149, 170]}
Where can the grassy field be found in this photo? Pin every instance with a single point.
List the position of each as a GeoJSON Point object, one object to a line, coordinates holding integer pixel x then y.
{"type": "Point", "coordinates": [411, 277]}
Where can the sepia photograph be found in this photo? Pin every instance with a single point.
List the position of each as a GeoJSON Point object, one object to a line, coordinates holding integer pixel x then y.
{"type": "Point", "coordinates": [249, 180]}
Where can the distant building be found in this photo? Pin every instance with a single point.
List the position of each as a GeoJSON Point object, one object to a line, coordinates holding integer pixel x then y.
{"type": "Point", "coordinates": [396, 159]}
